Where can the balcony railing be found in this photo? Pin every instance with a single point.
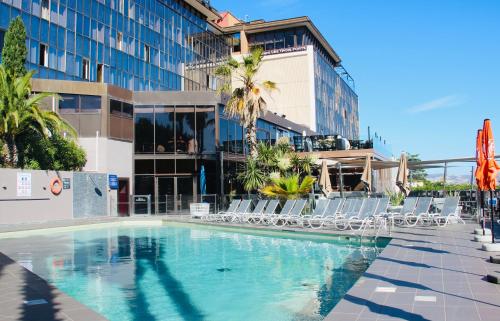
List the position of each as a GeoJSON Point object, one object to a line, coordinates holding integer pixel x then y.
{"type": "Point", "coordinates": [320, 143]}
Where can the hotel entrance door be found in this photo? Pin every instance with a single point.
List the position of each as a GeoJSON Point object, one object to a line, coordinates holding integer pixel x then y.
{"type": "Point", "coordinates": [173, 194]}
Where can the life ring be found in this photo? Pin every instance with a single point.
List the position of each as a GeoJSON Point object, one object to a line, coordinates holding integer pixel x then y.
{"type": "Point", "coordinates": [56, 186]}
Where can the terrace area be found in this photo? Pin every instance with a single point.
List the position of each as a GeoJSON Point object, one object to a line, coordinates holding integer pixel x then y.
{"type": "Point", "coordinates": [424, 273]}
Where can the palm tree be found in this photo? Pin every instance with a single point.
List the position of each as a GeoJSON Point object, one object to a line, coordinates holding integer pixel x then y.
{"type": "Point", "coordinates": [289, 187]}
{"type": "Point", "coordinates": [252, 177]}
{"type": "Point", "coordinates": [20, 113]}
{"type": "Point", "coordinates": [246, 102]}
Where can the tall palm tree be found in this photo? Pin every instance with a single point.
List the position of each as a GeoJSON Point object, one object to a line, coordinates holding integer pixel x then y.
{"type": "Point", "coordinates": [20, 113]}
{"type": "Point", "coordinates": [246, 102]}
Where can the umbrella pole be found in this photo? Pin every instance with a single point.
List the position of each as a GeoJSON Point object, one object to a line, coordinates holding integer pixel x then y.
{"type": "Point", "coordinates": [492, 218]}
{"type": "Point", "coordinates": [481, 204]}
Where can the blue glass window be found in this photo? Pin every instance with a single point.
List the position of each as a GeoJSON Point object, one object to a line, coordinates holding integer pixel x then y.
{"type": "Point", "coordinates": [70, 41]}
{"type": "Point", "coordinates": [4, 16]}
{"type": "Point", "coordinates": [52, 58]}
{"type": "Point", "coordinates": [71, 20]}
{"type": "Point", "coordinates": [34, 31]}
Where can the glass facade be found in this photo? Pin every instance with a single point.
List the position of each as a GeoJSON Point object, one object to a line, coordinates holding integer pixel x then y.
{"type": "Point", "coordinates": [335, 100]}
{"type": "Point", "coordinates": [140, 45]}
{"type": "Point", "coordinates": [232, 134]}
{"type": "Point", "coordinates": [163, 129]}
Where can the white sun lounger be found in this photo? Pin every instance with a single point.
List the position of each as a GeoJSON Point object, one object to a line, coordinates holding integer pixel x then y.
{"type": "Point", "coordinates": [232, 207]}
{"type": "Point", "coordinates": [449, 213]}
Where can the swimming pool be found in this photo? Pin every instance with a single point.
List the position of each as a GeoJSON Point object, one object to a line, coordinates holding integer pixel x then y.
{"type": "Point", "coordinates": [184, 272]}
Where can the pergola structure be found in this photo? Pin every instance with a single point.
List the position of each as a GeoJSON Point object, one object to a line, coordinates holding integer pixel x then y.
{"type": "Point", "coordinates": [352, 162]}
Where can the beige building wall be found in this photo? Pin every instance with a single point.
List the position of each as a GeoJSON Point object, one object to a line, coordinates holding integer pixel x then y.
{"type": "Point", "coordinates": [293, 74]}
{"type": "Point", "coordinates": [108, 156]}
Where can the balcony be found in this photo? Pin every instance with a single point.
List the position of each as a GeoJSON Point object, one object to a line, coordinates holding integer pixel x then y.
{"type": "Point", "coordinates": [326, 143]}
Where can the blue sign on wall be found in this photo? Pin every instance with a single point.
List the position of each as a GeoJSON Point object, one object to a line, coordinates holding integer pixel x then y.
{"type": "Point", "coordinates": [113, 181]}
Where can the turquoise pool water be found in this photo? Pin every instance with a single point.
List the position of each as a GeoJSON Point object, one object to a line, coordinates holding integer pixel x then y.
{"type": "Point", "coordinates": [195, 273]}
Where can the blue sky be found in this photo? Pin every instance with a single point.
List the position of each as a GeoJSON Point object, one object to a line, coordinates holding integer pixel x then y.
{"type": "Point", "coordinates": [427, 72]}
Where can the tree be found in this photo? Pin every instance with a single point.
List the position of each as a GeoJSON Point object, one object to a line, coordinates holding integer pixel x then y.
{"type": "Point", "coordinates": [20, 113]}
{"type": "Point", "coordinates": [252, 177]}
{"type": "Point", "coordinates": [14, 50]}
{"type": "Point", "coordinates": [246, 102]}
{"type": "Point", "coordinates": [416, 174]}
{"type": "Point", "coordinates": [54, 153]}
{"type": "Point", "coordinates": [289, 187]}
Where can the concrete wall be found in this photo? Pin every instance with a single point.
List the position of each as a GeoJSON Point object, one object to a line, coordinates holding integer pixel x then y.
{"type": "Point", "coordinates": [295, 81]}
{"type": "Point", "coordinates": [87, 196]}
{"type": "Point", "coordinates": [90, 195]}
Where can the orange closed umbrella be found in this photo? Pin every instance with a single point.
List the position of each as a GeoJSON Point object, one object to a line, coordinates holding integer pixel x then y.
{"type": "Point", "coordinates": [479, 159]}
{"type": "Point", "coordinates": [489, 169]}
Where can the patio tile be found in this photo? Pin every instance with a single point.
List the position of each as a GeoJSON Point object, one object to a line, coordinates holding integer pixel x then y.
{"type": "Point", "coordinates": [430, 313]}
{"type": "Point", "coordinates": [466, 313]}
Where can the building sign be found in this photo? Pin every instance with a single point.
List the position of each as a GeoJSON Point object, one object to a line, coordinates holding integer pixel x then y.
{"type": "Point", "coordinates": [66, 183]}
{"type": "Point", "coordinates": [24, 184]}
{"type": "Point", "coordinates": [141, 199]}
{"type": "Point", "coordinates": [284, 50]}
{"type": "Point", "coordinates": [113, 181]}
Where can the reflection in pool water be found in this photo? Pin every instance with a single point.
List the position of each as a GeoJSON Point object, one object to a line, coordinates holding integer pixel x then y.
{"type": "Point", "coordinates": [183, 273]}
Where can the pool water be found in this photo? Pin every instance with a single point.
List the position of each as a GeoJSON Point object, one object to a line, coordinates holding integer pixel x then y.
{"type": "Point", "coordinates": [181, 272]}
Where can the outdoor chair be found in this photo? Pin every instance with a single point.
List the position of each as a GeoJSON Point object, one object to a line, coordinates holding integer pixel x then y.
{"type": "Point", "coordinates": [257, 211]}
{"type": "Point", "coordinates": [421, 212]}
{"type": "Point", "coordinates": [366, 214]}
{"type": "Point", "coordinates": [408, 207]}
{"type": "Point", "coordinates": [318, 212]}
{"type": "Point", "coordinates": [232, 207]}
{"type": "Point", "coordinates": [449, 213]}
{"type": "Point", "coordinates": [342, 221]}
{"type": "Point", "coordinates": [380, 212]}
{"type": "Point", "coordinates": [295, 215]}
{"type": "Point", "coordinates": [237, 215]}
{"type": "Point", "coordinates": [270, 210]}
{"type": "Point", "coordinates": [332, 213]}
{"type": "Point", "coordinates": [271, 219]}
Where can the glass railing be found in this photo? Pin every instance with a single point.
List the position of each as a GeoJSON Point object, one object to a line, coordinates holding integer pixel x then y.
{"type": "Point", "coordinates": [319, 143]}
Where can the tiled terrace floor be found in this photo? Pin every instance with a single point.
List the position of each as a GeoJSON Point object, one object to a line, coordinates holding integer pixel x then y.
{"type": "Point", "coordinates": [19, 289]}
{"type": "Point", "coordinates": [423, 274]}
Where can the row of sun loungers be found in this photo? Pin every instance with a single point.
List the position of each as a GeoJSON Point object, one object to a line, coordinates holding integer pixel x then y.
{"type": "Point", "coordinates": [356, 214]}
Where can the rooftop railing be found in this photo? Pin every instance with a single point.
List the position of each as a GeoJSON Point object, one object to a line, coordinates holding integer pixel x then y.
{"type": "Point", "coordinates": [320, 143]}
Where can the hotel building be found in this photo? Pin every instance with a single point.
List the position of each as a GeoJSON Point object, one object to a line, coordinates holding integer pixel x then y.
{"type": "Point", "coordinates": [137, 81]}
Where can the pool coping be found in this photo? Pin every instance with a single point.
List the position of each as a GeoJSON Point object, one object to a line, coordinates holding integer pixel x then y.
{"type": "Point", "coordinates": [26, 296]}
{"type": "Point", "coordinates": [422, 274]}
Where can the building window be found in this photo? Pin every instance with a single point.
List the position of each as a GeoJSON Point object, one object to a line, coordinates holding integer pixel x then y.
{"type": "Point", "coordinates": [121, 6]}
{"type": "Point", "coordinates": [100, 73]}
{"type": "Point", "coordinates": [236, 42]}
{"type": "Point", "coordinates": [122, 109]}
{"type": "Point", "coordinates": [44, 57]}
{"type": "Point", "coordinates": [119, 41]}
{"type": "Point", "coordinates": [79, 103]}
{"type": "Point", "coordinates": [147, 58]}
{"type": "Point", "coordinates": [45, 9]}
{"type": "Point", "coordinates": [85, 69]}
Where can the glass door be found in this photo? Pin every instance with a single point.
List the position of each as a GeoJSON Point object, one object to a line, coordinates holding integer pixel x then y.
{"type": "Point", "coordinates": [184, 193]}
{"type": "Point", "coordinates": [165, 191]}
